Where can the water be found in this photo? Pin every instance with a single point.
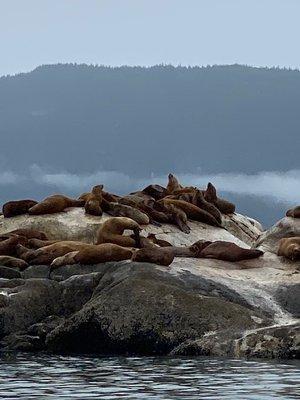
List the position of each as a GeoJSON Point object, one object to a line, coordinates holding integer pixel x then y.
{"type": "Point", "coordinates": [26, 376]}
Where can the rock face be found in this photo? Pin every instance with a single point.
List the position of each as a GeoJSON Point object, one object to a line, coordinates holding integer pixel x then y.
{"type": "Point", "coordinates": [138, 309]}
{"type": "Point", "coordinates": [194, 307]}
{"type": "Point", "coordinates": [76, 225]}
{"type": "Point", "coordinates": [286, 227]}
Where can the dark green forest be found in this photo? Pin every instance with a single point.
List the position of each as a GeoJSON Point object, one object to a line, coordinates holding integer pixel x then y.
{"type": "Point", "coordinates": [142, 120]}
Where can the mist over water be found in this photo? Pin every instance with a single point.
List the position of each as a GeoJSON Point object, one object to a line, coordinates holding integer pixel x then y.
{"type": "Point", "coordinates": [253, 193]}
{"type": "Point", "coordinates": [280, 186]}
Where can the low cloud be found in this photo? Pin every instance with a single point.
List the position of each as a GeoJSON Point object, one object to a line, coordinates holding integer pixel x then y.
{"type": "Point", "coordinates": [8, 178]}
{"type": "Point", "coordinates": [283, 187]}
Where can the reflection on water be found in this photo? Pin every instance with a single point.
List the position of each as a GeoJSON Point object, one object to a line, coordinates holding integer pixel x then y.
{"type": "Point", "coordinates": [29, 376]}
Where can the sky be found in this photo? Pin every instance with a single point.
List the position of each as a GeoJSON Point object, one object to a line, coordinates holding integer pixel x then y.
{"type": "Point", "coordinates": [148, 32]}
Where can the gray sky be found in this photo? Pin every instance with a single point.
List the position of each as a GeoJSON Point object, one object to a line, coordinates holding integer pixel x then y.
{"type": "Point", "coordinates": [147, 32]}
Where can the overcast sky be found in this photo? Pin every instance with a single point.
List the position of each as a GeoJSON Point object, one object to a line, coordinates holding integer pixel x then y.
{"type": "Point", "coordinates": [147, 32]}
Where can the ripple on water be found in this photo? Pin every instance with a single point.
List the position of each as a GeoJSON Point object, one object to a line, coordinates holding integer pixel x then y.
{"type": "Point", "coordinates": [28, 376]}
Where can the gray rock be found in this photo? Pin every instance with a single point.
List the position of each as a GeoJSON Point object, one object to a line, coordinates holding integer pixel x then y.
{"type": "Point", "coordinates": [270, 342]}
{"type": "Point", "coordinates": [21, 342]}
{"type": "Point", "coordinates": [41, 329]}
{"type": "Point", "coordinates": [288, 296]}
{"type": "Point", "coordinates": [9, 273]}
{"type": "Point", "coordinates": [217, 344]}
{"type": "Point", "coordinates": [29, 303]}
{"type": "Point", "coordinates": [141, 309]}
{"type": "Point", "coordinates": [36, 271]}
{"type": "Point", "coordinates": [286, 227]}
{"type": "Point", "coordinates": [77, 290]}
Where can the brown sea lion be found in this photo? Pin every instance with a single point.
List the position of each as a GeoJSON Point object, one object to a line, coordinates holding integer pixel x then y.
{"type": "Point", "coordinates": [121, 210]}
{"type": "Point", "coordinates": [28, 233]}
{"type": "Point", "coordinates": [156, 255]}
{"type": "Point", "coordinates": [193, 212]}
{"type": "Point", "coordinates": [145, 206]}
{"type": "Point", "coordinates": [54, 204]}
{"type": "Point", "coordinates": [177, 217]}
{"type": "Point", "coordinates": [173, 184]}
{"type": "Point", "coordinates": [210, 195]}
{"type": "Point", "coordinates": [93, 201]}
{"type": "Point", "coordinates": [18, 207]}
{"type": "Point", "coordinates": [199, 200]}
{"type": "Point", "coordinates": [94, 254]}
{"type": "Point", "coordinates": [111, 198]}
{"type": "Point", "coordinates": [156, 191]}
{"type": "Point", "coordinates": [290, 248]}
{"type": "Point", "coordinates": [228, 251]}
{"type": "Point", "coordinates": [111, 231]}
{"type": "Point", "coordinates": [294, 212]}
{"type": "Point", "coordinates": [195, 196]}
{"type": "Point", "coordinates": [37, 243]}
{"type": "Point", "coordinates": [198, 246]}
{"type": "Point", "coordinates": [13, 262]}
{"type": "Point", "coordinates": [45, 255]}
{"type": "Point", "coordinates": [159, 242]}
{"type": "Point", "coordinates": [8, 246]}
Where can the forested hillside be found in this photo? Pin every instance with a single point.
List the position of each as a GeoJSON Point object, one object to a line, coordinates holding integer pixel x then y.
{"type": "Point", "coordinates": [138, 121]}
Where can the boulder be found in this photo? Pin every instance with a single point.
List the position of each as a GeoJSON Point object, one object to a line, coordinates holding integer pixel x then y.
{"type": "Point", "coordinates": [28, 302]}
{"type": "Point", "coordinates": [74, 224]}
{"type": "Point", "coordinates": [193, 307]}
{"type": "Point", "coordinates": [9, 273]}
{"type": "Point", "coordinates": [142, 309]}
{"type": "Point", "coordinates": [270, 342]}
{"type": "Point", "coordinates": [269, 240]}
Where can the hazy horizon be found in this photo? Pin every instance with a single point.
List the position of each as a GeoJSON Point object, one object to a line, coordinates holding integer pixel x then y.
{"type": "Point", "coordinates": [139, 32]}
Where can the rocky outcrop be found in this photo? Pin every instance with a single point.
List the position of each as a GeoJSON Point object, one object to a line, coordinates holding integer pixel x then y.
{"type": "Point", "coordinates": [194, 307]}
{"type": "Point", "coordinates": [76, 225]}
{"type": "Point", "coordinates": [286, 227]}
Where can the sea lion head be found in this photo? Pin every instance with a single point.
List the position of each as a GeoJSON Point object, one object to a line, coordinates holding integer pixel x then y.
{"type": "Point", "coordinates": [294, 251]}
{"type": "Point", "coordinates": [211, 192]}
{"type": "Point", "coordinates": [97, 189]}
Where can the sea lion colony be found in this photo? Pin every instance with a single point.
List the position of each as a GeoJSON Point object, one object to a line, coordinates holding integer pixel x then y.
{"type": "Point", "coordinates": [155, 204]}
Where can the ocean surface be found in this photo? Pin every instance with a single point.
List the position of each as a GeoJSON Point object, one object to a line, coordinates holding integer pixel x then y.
{"type": "Point", "coordinates": [31, 376]}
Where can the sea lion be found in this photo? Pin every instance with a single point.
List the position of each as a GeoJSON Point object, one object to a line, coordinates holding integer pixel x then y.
{"type": "Point", "coordinates": [45, 255]}
{"type": "Point", "coordinates": [177, 217]}
{"type": "Point", "coordinates": [13, 262]}
{"type": "Point", "coordinates": [228, 251]}
{"type": "Point", "coordinates": [18, 207]}
{"type": "Point", "coordinates": [121, 210]}
{"type": "Point", "coordinates": [28, 233]}
{"type": "Point", "coordinates": [294, 212]}
{"type": "Point", "coordinates": [54, 204]}
{"type": "Point", "coordinates": [156, 191]}
{"type": "Point", "coordinates": [156, 255]}
{"type": "Point", "coordinates": [145, 206]}
{"type": "Point", "coordinates": [290, 248]}
{"type": "Point", "coordinates": [159, 242]}
{"type": "Point", "coordinates": [111, 198]}
{"type": "Point", "coordinates": [195, 196]}
{"type": "Point", "coordinates": [173, 184]}
{"type": "Point", "coordinates": [37, 243]}
{"type": "Point", "coordinates": [198, 246]}
{"type": "Point", "coordinates": [8, 246]}
{"type": "Point", "coordinates": [210, 195]}
{"type": "Point", "coordinates": [193, 212]}
{"type": "Point", "coordinates": [93, 201]}
{"type": "Point", "coordinates": [111, 231]}
{"type": "Point", "coordinates": [95, 254]}
{"type": "Point", "coordinates": [199, 200]}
